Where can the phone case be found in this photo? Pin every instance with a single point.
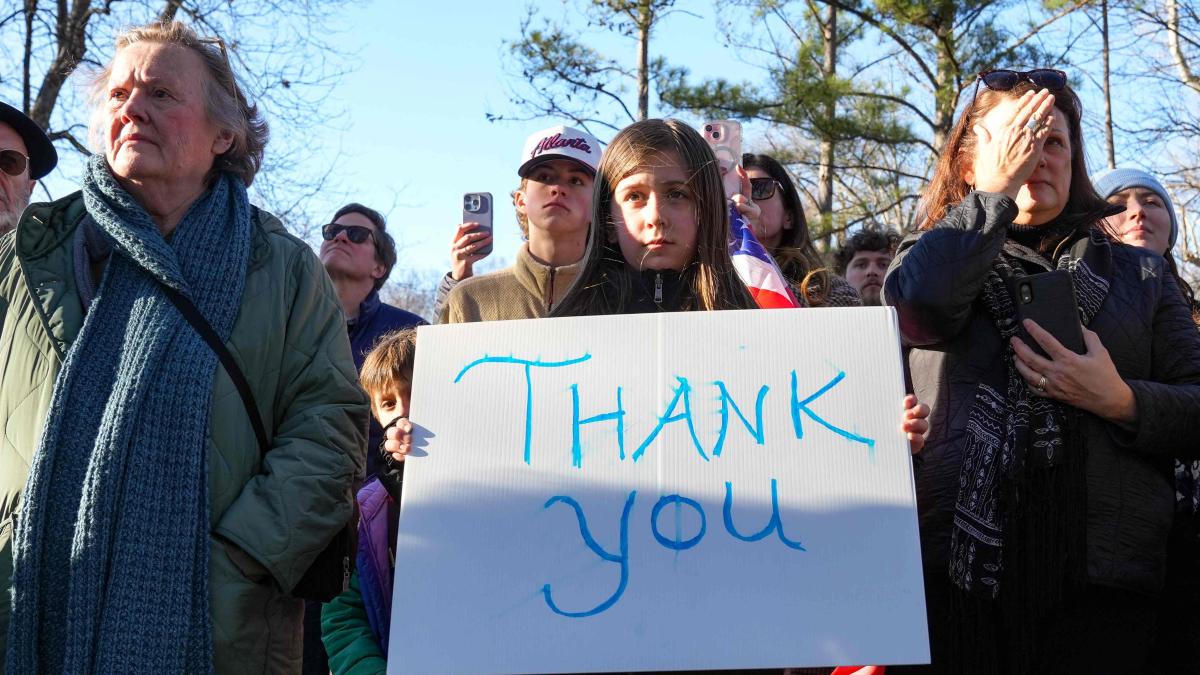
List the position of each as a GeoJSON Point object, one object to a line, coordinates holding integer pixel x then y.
{"type": "Point", "coordinates": [725, 139]}
{"type": "Point", "coordinates": [477, 208]}
{"type": "Point", "coordinates": [1049, 299]}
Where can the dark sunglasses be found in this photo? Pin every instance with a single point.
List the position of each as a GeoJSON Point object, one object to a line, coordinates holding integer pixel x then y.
{"type": "Point", "coordinates": [1042, 78]}
{"type": "Point", "coordinates": [13, 162]}
{"type": "Point", "coordinates": [763, 188]}
{"type": "Point", "coordinates": [355, 233]}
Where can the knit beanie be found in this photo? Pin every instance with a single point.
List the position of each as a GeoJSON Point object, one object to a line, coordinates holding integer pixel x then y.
{"type": "Point", "coordinates": [1111, 181]}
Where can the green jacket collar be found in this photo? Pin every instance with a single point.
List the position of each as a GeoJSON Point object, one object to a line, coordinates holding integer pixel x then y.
{"type": "Point", "coordinates": [44, 253]}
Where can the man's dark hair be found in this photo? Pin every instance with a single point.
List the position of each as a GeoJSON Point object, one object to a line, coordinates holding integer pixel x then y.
{"type": "Point", "coordinates": [865, 240]}
{"type": "Point", "coordinates": [385, 246]}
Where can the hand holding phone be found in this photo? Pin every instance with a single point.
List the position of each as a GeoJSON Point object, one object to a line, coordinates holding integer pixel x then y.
{"type": "Point", "coordinates": [1088, 381]}
{"type": "Point", "coordinates": [1049, 299]}
{"type": "Point", "coordinates": [477, 208]}
{"type": "Point", "coordinates": [472, 240]}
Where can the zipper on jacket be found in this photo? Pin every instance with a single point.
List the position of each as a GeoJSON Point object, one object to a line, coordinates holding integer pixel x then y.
{"type": "Point", "coordinates": [658, 284]}
{"type": "Point", "coordinates": [550, 293]}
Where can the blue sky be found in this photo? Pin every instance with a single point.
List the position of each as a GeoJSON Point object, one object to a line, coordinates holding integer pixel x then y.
{"type": "Point", "coordinates": [418, 136]}
{"type": "Point", "coordinates": [407, 124]}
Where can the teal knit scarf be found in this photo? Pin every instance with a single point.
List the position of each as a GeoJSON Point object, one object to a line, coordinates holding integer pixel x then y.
{"type": "Point", "coordinates": [111, 550]}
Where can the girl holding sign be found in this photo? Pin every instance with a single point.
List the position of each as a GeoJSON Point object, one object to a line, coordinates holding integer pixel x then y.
{"type": "Point", "coordinates": [659, 238]}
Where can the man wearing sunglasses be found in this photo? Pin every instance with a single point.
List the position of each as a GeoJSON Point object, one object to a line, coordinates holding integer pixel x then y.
{"type": "Point", "coordinates": [26, 154]}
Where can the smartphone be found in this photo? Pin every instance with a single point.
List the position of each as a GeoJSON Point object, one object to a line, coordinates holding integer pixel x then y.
{"type": "Point", "coordinates": [477, 208]}
{"type": "Point", "coordinates": [1049, 299]}
{"type": "Point", "coordinates": [725, 139]}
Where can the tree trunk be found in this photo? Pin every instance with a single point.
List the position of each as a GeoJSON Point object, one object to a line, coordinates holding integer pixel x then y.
{"type": "Point", "coordinates": [645, 21]}
{"type": "Point", "coordinates": [30, 10]}
{"type": "Point", "coordinates": [829, 38]}
{"type": "Point", "coordinates": [1108, 123]}
{"type": "Point", "coordinates": [946, 96]}
{"type": "Point", "coordinates": [1186, 76]}
{"type": "Point", "coordinates": [71, 35]}
{"type": "Point", "coordinates": [169, 10]}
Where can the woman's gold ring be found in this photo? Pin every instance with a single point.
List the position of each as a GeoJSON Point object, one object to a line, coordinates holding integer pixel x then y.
{"type": "Point", "coordinates": [1041, 385]}
{"type": "Point", "coordinates": [1033, 123]}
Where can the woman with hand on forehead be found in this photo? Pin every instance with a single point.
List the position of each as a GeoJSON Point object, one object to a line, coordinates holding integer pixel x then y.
{"type": "Point", "coordinates": [1043, 506]}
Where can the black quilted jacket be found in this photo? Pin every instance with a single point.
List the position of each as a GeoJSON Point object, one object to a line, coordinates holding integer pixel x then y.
{"type": "Point", "coordinates": [934, 283]}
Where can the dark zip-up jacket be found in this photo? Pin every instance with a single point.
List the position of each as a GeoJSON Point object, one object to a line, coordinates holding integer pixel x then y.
{"type": "Point", "coordinates": [375, 319]}
{"type": "Point", "coordinates": [650, 290]}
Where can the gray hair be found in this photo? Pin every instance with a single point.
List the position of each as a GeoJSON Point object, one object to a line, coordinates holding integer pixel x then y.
{"type": "Point", "coordinates": [226, 105]}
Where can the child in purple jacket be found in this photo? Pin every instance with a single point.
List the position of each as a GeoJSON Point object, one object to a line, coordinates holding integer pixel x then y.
{"type": "Point", "coordinates": [354, 626]}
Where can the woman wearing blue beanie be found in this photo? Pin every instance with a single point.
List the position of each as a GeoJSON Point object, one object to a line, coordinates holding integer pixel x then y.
{"type": "Point", "coordinates": [1149, 222]}
{"type": "Point", "coordinates": [1149, 219]}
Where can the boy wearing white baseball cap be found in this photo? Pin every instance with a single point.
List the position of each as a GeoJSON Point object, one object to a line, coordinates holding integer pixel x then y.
{"type": "Point", "coordinates": [553, 203]}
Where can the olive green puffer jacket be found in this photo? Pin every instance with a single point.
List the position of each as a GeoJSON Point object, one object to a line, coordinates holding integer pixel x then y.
{"type": "Point", "coordinates": [272, 516]}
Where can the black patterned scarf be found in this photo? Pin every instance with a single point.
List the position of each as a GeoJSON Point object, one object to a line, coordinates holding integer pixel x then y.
{"type": "Point", "coordinates": [1021, 487]}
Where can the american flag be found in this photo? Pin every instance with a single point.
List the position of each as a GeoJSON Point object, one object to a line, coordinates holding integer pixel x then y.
{"type": "Point", "coordinates": [770, 290]}
{"type": "Point", "coordinates": [756, 267]}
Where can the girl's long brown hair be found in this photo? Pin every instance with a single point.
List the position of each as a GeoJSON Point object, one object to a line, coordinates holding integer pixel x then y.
{"type": "Point", "coordinates": [796, 255]}
{"type": "Point", "coordinates": [714, 282]}
{"type": "Point", "coordinates": [947, 188]}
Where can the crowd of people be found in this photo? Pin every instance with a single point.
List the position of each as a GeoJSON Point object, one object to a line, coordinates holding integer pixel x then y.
{"type": "Point", "coordinates": [195, 407]}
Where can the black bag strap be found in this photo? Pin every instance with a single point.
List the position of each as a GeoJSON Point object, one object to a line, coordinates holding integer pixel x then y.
{"type": "Point", "coordinates": [190, 312]}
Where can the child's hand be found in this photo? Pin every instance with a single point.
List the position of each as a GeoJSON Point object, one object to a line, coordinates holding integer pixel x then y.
{"type": "Point", "coordinates": [915, 423]}
{"type": "Point", "coordinates": [397, 439]}
{"type": "Point", "coordinates": [745, 206]}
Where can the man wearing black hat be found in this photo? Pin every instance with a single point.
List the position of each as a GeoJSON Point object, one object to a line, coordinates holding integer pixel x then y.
{"type": "Point", "coordinates": [26, 154]}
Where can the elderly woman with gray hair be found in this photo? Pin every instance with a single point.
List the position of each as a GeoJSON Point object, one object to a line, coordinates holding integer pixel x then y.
{"type": "Point", "coordinates": [148, 531]}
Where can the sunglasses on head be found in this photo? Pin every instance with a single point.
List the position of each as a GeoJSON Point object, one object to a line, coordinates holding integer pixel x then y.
{"type": "Point", "coordinates": [763, 188]}
{"type": "Point", "coordinates": [1042, 78]}
{"type": "Point", "coordinates": [355, 233]}
{"type": "Point", "coordinates": [13, 163]}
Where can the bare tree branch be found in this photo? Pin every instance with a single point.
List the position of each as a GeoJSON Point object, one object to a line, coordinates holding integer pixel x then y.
{"type": "Point", "coordinates": [70, 138]}
{"type": "Point", "coordinates": [1033, 32]}
{"type": "Point", "coordinates": [891, 34]}
{"type": "Point", "coordinates": [1181, 62]}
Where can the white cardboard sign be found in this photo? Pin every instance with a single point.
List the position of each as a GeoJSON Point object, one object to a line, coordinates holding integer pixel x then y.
{"type": "Point", "coordinates": [659, 492]}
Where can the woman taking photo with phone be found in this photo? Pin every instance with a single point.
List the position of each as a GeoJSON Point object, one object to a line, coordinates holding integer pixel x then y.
{"type": "Point", "coordinates": [1042, 493]}
{"type": "Point", "coordinates": [783, 230]}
